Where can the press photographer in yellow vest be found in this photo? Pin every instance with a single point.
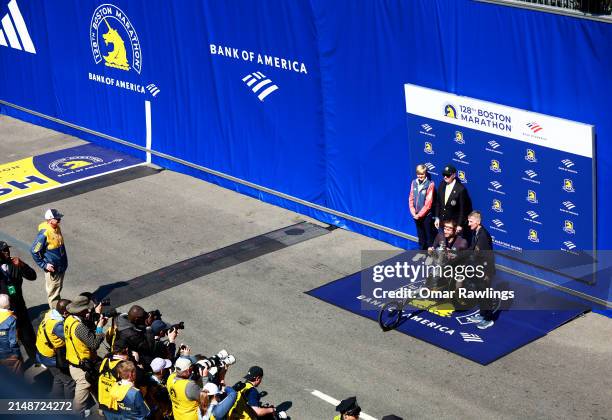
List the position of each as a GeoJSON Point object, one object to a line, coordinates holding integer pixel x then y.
{"type": "Point", "coordinates": [81, 346]}
{"type": "Point", "coordinates": [51, 350]}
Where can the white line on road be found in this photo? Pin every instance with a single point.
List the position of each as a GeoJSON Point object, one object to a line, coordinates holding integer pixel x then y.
{"type": "Point", "coordinates": [335, 402]}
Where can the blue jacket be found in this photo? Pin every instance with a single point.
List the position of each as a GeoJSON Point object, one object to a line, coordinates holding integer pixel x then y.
{"type": "Point", "coordinates": [132, 406]}
{"type": "Point", "coordinates": [8, 335]}
{"type": "Point", "coordinates": [48, 248]}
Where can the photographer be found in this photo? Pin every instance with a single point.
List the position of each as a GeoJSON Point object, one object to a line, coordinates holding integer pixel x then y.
{"type": "Point", "coordinates": [51, 350]}
{"type": "Point", "coordinates": [165, 349]}
{"type": "Point", "coordinates": [184, 392]}
{"type": "Point", "coordinates": [216, 402]}
{"type": "Point", "coordinates": [81, 346]}
{"type": "Point", "coordinates": [248, 403]}
{"type": "Point", "coordinates": [135, 336]}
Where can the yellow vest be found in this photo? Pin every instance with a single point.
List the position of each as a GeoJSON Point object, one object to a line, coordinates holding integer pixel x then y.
{"type": "Point", "coordinates": [106, 381]}
{"type": "Point", "coordinates": [76, 350]}
{"type": "Point", "coordinates": [42, 345]}
{"type": "Point", "coordinates": [338, 417]}
{"type": "Point", "coordinates": [182, 408]}
{"type": "Point", "coordinates": [117, 394]}
{"type": "Point", "coordinates": [241, 410]}
{"type": "Point", "coordinates": [4, 315]}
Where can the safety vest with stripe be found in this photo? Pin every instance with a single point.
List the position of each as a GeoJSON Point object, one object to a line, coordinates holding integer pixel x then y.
{"type": "Point", "coordinates": [47, 347]}
{"type": "Point", "coordinates": [241, 410]}
{"type": "Point", "coordinates": [76, 350]}
{"type": "Point", "coordinates": [182, 407]}
{"type": "Point", "coordinates": [106, 380]}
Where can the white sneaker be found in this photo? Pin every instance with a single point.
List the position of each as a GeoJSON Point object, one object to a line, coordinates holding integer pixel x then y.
{"type": "Point", "coordinates": [476, 318]}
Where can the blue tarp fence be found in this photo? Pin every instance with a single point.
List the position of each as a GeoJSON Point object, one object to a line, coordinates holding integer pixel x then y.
{"type": "Point", "coordinates": [299, 103]}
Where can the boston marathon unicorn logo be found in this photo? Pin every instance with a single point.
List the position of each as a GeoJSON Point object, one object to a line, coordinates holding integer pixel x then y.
{"type": "Point", "coordinates": [114, 39]}
{"type": "Point", "coordinates": [116, 58]}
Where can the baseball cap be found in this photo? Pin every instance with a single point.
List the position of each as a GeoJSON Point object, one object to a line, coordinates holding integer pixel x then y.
{"type": "Point", "coordinates": [254, 372]}
{"type": "Point", "coordinates": [392, 417]}
{"type": "Point", "coordinates": [182, 364]}
{"type": "Point", "coordinates": [53, 214]}
{"type": "Point", "coordinates": [158, 325]}
{"type": "Point", "coordinates": [4, 245]}
{"type": "Point", "coordinates": [211, 388]}
{"type": "Point", "coordinates": [449, 170]}
{"type": "Point", "coordinates": [158, 364]}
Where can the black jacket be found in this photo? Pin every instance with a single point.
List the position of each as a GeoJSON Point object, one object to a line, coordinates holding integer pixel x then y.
{"type": "Point", "coordinates": [139, 340]}
{"type": "Point", "coordinates": [482, 245]}
{"type": "Point", "coordinates": [13, 275]}
{"type": "Point", "coordinates": [458, 206]}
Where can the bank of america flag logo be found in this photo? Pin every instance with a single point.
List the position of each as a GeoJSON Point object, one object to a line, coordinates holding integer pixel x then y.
{"type": "Point", "coordinates": [532, 215]}
{"type": "Point", "coordinates": [534, 126]}
{"type": "Point", "coordinates": [567, 163]}
{"type": "Point", "coordinates": [493, 144]}
{"type": "Point", "coordinates": [460, 154]}
{"type": "Point", "coordinates": [497, 222]}
{"type": "Point", "coordinates": [569, 205]}
{"type": "Point", "coordinates": [471, 338]}
{"type": "Point", "coordinates": [14, 30]}
{"type": "Point", "coordinates": [259, 84]}
{"type": "Point", "coordinates": [495, 184]}
{"type": "Point", "coordinates": [430, 166]}
{"type": "Point", "coordinates": [569, 245]}
{"type": "Point", "coordinates": [531, 174]}
{"type": "Point", "coordinates": [427, 127]}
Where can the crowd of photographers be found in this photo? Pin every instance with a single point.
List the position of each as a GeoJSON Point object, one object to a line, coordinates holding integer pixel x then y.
{"type": "Point", "coordinates": [143, 374]}
{"type": "Point", "coordinates": [127, 363]}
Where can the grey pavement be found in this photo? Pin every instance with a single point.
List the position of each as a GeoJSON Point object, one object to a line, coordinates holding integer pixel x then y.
{"type": "Point", "coordinates": [258, 309]}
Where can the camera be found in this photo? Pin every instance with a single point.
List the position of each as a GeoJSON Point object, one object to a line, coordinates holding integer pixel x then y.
{"type": "Point", "coordinates": [219, 360]}
{"type": "Point", "coordinates": [178, 326]}
{"type": "Point", "coordinates": [278, 415]}
{"type": "Point", "coordinates": [107, 310]}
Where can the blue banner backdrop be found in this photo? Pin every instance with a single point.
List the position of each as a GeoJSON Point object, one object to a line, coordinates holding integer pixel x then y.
{"type": "Point", "coordinates": [305, 98]}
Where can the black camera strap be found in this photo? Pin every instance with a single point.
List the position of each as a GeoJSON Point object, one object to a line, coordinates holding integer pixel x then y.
{"type": "Point", "coordinates": [43, 325]}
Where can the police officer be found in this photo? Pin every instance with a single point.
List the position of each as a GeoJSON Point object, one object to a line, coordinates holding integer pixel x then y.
{"type": "Point", "coordinates": [10, 355]}
{"type": "Point", "coordinates": [81, 346]}
{"type": "Point", "coordinates": [49, 253]}
{"type": "Point", "coordinates": [51, 350]}
{"type": "Point", "coordinates": [348, 409]}
{"type": "Point", "coordinates": [184, 392]}
{"type": "Point", "coordinates": [14, 270]}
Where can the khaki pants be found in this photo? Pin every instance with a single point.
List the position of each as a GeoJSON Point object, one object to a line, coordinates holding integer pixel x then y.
{"type": "Point", "coordinates": [81, 390]}
{"type": "Point", "coordinates": [54, 283]}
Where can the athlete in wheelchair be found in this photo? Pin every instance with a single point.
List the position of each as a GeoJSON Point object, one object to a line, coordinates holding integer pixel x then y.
{"type": "Point", "coordinates": [452, 269]}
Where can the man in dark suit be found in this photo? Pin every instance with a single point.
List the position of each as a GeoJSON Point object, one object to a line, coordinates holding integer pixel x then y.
{"type": "Point", "coordinates": [453, 202]}
{"type": "Point", "coordinates": [482, 247]}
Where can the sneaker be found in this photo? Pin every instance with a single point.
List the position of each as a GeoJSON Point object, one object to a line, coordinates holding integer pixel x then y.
{"type": "Point", "coordinates": [483, 325]}
{"type": "Point", "coordinates": [477, 319]}
{"type": "Point", "coordinates": [418, 257]}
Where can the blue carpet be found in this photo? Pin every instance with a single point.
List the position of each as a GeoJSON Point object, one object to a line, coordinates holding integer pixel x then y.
{"type": "Point", "coordinates": [515, 326]}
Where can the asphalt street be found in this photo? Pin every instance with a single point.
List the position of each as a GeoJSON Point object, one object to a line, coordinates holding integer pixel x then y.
{"type": "Point", "coordinates": [255, 305]}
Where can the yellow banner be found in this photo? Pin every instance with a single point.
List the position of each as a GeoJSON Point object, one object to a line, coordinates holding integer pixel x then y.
{"type": "Point", "coordinates": [21, 178]}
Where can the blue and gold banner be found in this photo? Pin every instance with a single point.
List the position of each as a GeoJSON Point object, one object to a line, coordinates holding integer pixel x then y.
{"type": "Point", "coordinates": [52, 170]}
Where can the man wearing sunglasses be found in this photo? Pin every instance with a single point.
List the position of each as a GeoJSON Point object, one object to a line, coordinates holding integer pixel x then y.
{"type": "Point", "coordinates": [49, 253]}
{"type": "Point", "coordinates": [453, 202]}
